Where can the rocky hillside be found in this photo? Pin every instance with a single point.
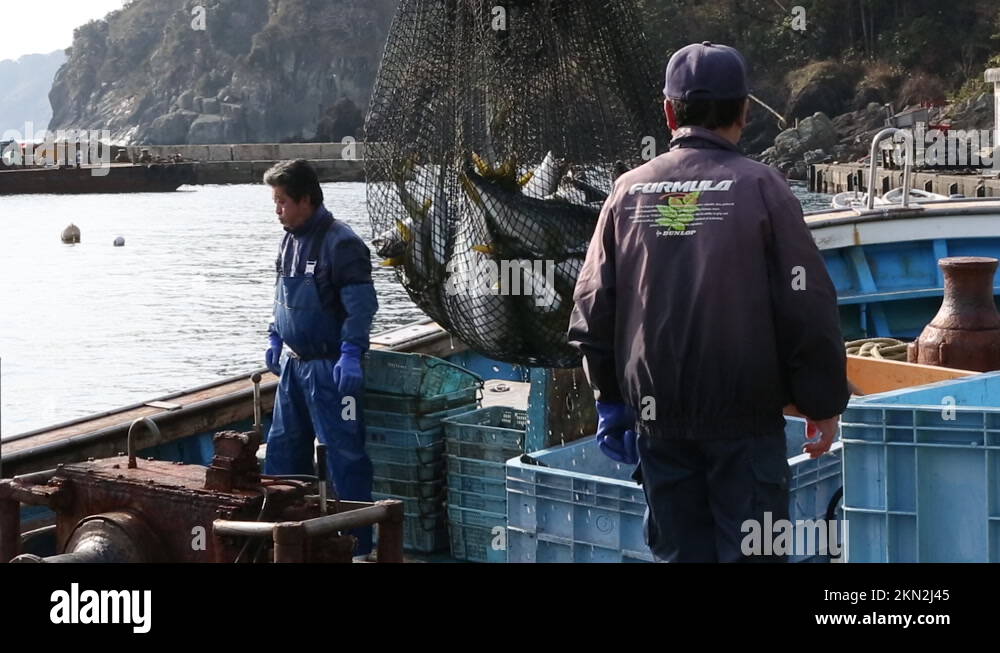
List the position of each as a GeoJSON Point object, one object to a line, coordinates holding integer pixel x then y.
{"type": "Point", "coordinates": [260, 70]}
{"type": "Point", "coordinates": [25, 85]}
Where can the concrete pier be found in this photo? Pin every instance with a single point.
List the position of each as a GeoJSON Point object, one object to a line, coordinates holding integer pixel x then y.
{"type": "Point", "coordinates": [247, 163]}
{"type": "Point", "coordinates": [845, 177]}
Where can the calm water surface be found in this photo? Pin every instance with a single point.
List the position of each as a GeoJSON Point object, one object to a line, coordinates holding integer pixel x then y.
{"type": "Point", "coordinates": [92, 327]}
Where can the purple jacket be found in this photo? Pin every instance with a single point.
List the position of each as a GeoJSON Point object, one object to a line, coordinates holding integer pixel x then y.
{"type": "Point", "coordinates": [704, 303]}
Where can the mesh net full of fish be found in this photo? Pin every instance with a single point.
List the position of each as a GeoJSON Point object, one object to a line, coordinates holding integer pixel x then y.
{"type": "Point", "coordinates": [495, 134]}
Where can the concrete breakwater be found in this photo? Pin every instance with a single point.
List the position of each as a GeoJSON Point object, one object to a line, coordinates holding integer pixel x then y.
{"type": "Point", "coordinates": [845, 177]}
{"type": "Point", "coordinates": [247, 163]}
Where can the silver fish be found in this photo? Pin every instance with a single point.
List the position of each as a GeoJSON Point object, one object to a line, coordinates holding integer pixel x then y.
{"type": "Point", "coordinates": [524, 227]}
{"type": "Point", "coordinates": [545, 178]}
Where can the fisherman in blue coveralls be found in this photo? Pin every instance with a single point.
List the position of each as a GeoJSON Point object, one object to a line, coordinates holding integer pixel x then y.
{"type": "Point", "coordinates": [705, 298]}
{"type": "Point", "coordinates": [323, 309]}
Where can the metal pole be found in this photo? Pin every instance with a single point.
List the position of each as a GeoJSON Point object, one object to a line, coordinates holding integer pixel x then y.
{"type": "Point", "coordinates": [321, 472]}
{"type": "Point", "coordinates": [289, 542]}
{"type": "Point", "coordinates": [993, 77]}
{"type": "Point", "coordinates": [390, 534]}
{"type": "Point", "coordinates": [258, 408]}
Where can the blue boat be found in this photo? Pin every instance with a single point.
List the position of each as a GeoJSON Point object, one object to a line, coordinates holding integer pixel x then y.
{"type": "Point", "coordinates": [883, 258]}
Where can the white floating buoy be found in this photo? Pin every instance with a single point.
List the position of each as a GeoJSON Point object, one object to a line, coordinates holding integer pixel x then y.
{"type": "Point", "coordinates": [119, 242]}
{"type": "Point", "coordinates": [71, 234]}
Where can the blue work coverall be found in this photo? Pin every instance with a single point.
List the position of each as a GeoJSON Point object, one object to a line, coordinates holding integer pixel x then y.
{"type": "Point", "coordinates": [324, 297]}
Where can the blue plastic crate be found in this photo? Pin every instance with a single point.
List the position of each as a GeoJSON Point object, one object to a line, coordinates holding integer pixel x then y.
{"type": "Point", "coordinates": [477, 501]}
{"type": "Point", "coordinates": [403, 438]}
{"type": "Point", "coordinates": [486, 486]}
{"type": "Point", "coordinates": [467, 397]}
{"type": "Point", "coordinates": [478, 468]}
{"type": "Point", "coordinates": [433, 453]}
{"type": "Point", "coordinates": [413, 473]}
{"type": "Point", "coordinates": [584, 507]}
{"type": "Point", "coordinates": [412, 421]}
{"type": "Point", "coordinates": [922, 473]}
{"type": "Point", "coordinates": [415, 375]}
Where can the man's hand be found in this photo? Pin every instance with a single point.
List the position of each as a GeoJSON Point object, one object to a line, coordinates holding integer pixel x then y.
{"type": "Point", "coordinates": [826, 430]}
{"type": "Point", "coordinates": [616, 434]}
{"type": "Point", "coordinates": [273, 356]}
{"type": "Point", "coordinates": [347, 373]}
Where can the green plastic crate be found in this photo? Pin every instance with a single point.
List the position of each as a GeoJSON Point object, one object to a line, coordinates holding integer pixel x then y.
{"type": "Point", "coordinates": [467, 397]}
{"type": "Point", "coordinates": [412, 421]}
{"type": "Point", "coordinates": [399, 438]}
{"type": "Point", "coordinates": [411, 489]}
{"type": "Point", "coordinates": [475, 501]}
{"type": "Point", "coordinates": [433, 471]}
{"type": "Point", "coordinates": [415, 375]}
{"type": "Point", "coordinates": [496, 427]}
{"type": "Point", "coordinates": [480, 451]}
{"type": "Point", "coordinates": [433, 453]}
{"type": "Point", "coordinates": [477, 468]}
{"type": "Point", "coordinates": [479, 485]}
{"type": "Point", "coordinates": [424, 533]}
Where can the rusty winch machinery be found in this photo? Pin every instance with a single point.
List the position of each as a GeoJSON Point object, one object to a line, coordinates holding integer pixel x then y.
{"type": "Point", "coordinates": [124, 509]}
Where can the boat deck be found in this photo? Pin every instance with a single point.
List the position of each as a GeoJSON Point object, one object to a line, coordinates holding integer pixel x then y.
{"type": "Point", "coordinates": [179, 415]}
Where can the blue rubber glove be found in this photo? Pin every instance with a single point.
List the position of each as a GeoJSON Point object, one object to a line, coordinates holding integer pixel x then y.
{"type": "Point", "coordinates": [273, 356]}
{"type": "Point", "coordinates": [616, 434]}
{"type": "Point", "coordinates": [347, 372]}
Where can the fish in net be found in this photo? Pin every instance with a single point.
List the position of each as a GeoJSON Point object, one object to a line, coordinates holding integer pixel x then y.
{"type": "Point", "coordinates": [495, 133]}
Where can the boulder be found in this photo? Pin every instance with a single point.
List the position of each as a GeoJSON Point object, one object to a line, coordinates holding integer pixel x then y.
{"type": "Point", "coordinates": [207, 130]}
{"type": "Point", "coordinates": [816, 156]}
{"type": "Point", "coordinates": [821, 86]}
{"type": "Point", "coordinates": [186, 101]}
{"type": "Point", "coordinates": [171, 129]}
{"type": "Point", "coordinates": [210, 106]}
{"type": "Point", "coordinates": [818, 133]}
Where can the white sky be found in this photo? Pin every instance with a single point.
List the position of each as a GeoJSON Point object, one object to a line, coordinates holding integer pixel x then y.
{"type": "Point", "coordinates": [41, 26]}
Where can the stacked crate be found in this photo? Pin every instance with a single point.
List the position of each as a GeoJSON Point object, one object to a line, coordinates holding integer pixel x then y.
{"type": "Point", "coordinates": [406, 397]}
{"type": "Point", "coordinates": [478, 445]}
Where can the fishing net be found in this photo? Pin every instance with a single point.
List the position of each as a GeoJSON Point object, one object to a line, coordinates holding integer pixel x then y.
{"type": "Point", "coordinates": [495, 133]}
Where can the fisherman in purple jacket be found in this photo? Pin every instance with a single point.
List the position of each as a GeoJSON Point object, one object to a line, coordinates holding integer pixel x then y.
{"type": "Point", "coordinates": [703, 309]}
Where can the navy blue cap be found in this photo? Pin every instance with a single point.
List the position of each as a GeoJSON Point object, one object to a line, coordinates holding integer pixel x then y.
{"type": "Point", "coordinates": [705, 71]}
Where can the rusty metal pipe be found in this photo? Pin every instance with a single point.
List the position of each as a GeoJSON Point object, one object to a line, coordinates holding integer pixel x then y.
{"type": "Point", "coordinates": [345, 521]}
{"type": "Point", "coordinates": [243, 528]}
{"type": "Point", "coordinates": [35, 478]}
{"type": "Point", "coordinates": [130, 441]}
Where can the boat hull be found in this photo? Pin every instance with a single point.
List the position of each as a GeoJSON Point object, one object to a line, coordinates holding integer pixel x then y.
{"type": "Point", "coordinates": [155, 178]}
{"type": "Point", "coordinates": [885, 264]}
